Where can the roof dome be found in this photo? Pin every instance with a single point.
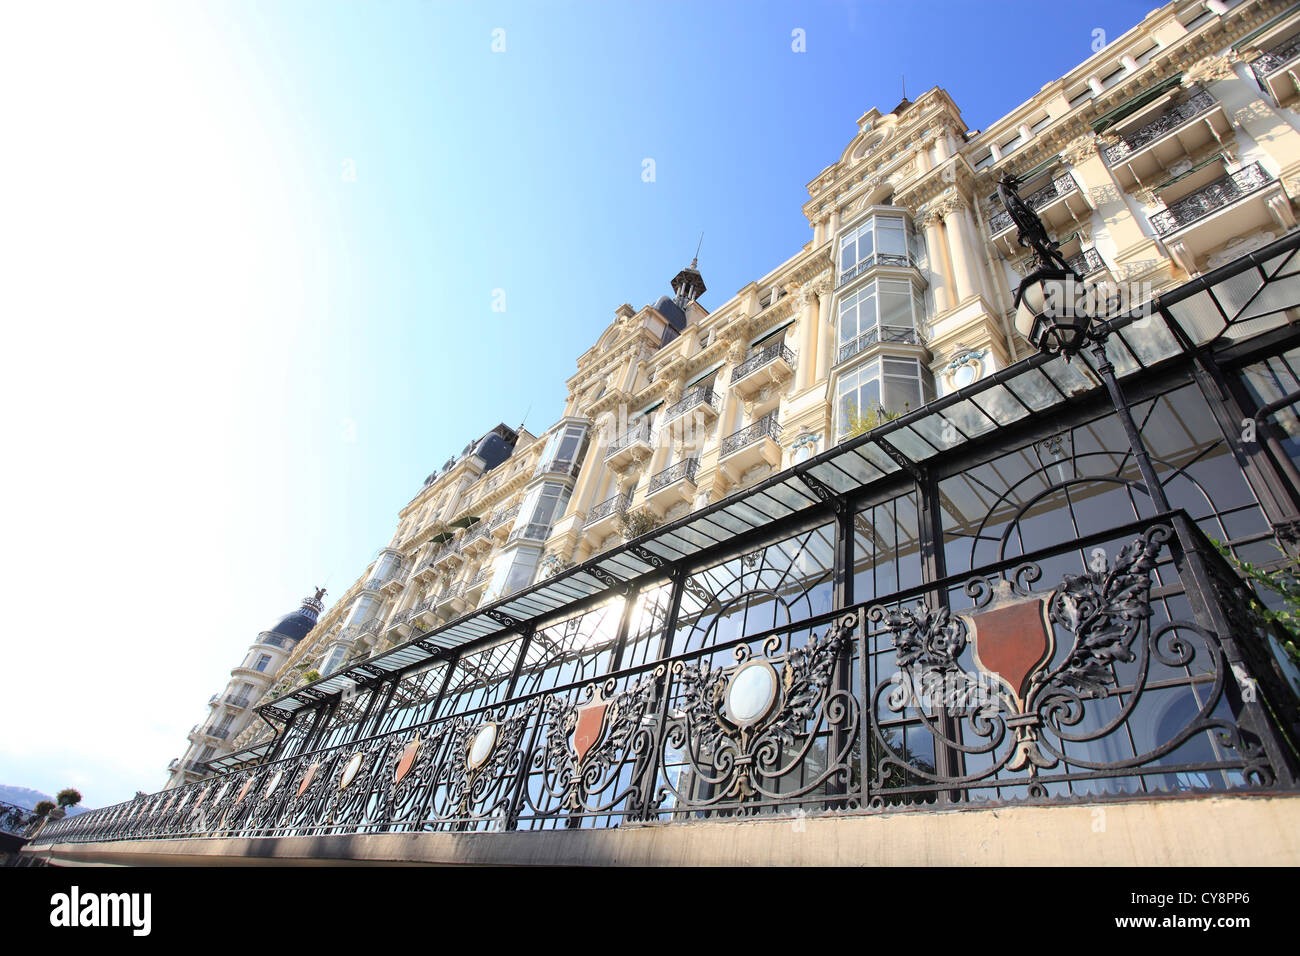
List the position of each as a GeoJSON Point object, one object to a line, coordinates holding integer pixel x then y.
{"type": "Point", "coordinates": [671, 311]}
{"type": "Point", "coordinates": [297, 624]}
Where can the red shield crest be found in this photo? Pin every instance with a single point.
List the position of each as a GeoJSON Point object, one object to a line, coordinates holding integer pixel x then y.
{"type": "Point", "coordinates": [589, 727]}
{"type": "Point", "coordinates": [1012, 641]}
{"type": "Point", "coordinates": [408, 760]}
{"type": "Point", "coordinates": [306, 781]}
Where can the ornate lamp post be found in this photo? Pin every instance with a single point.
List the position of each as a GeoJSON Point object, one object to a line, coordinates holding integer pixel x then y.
{"type": "Point", "coordinates": [1053, 315]}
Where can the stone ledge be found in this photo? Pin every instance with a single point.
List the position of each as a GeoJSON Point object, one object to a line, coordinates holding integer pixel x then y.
{"type": "Point", "coordinates": [1257, 830]}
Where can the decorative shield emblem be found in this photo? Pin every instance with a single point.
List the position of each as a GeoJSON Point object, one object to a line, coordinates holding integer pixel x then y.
{"type": "Point", "coordinates": [481, 745]}
{"type": "Point", "coordinates": [589, 726]}
{"type": "Point", "coordinates": [306, 781]}
{"type": "Point", "coordinates": [275, 782]}
{"type": "Point", "coordinates": [751, 692]}
{"type": "Point", "coordinates": [409, 753]}
{"type": "Point", "coordinates": [1012, 641]}
{"type": "Point", "coordinates": [351, 770]}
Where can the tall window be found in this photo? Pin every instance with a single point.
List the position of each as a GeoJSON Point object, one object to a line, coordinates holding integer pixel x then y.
{"type": "Point", "coordinates": [878, 237]}
{"type": "Point", "coordinates": [894, 385]}
{"type": "Point", "coordinates": [562, 448]}
{"type": "Point", "coordinates": [262, 661]}
{"type": "Point", "coordinates": [885, 310]}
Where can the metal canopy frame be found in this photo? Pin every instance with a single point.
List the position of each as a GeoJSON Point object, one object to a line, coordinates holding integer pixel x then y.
{"type": "Point", "coordinates": [1241, 300]}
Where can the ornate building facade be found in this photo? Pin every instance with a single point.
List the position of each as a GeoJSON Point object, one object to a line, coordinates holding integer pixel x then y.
{"type": "Point", "coordinates": [742, 506]}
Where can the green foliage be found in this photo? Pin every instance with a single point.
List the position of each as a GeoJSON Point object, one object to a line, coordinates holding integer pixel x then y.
{"type": "Point", "coordinates": [68, 797]}
{"type": "Point", "coordinates": [1283, 581]}
{"type": "Point", "coordinates": [43, 808]}
{"type": "Point", "coordinates": [856, 423]}
{"type": "Point", "coordinates": [310, 676]}
{"type": "Point", "coordinates": [633, 524]}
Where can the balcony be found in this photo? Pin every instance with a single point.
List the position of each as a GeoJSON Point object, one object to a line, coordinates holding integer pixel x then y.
{"type": "Point", "coordinates": [772, 366]}
{"type": "Point", "coordinates": [448, 599]}
{"type": "Point", "coordinates": [560, 468]}
{"type": "Point", "coordinates": [1144, 154]}
{"type": "Point", "coordinates": [233, 700]}
{"type": "Point", "coordinates": [603, 517]}
{"type": "Point", "coordinates": [448, 556]}
{"type": "Point", "coordinates": [1276, 70]}
{"type": "Point", "coordinates": [750, 447]}
{"type": "Point", "coordinates": [473, 587]}
{"type": "Point", "coordinates": [1086, 262]}
{"type": "Point", "coordinates": [701, 403]}
{"type": "Point", "coordinates": [632, 446]}
{"type": "Point", "coordinates": [425, 573]}
{"type": "Point", "coordinates": [1238, 204]}
{"type": "Point", "coordinates": [477, 540]}
{"type": "Point", "coordinates": [399, 628]}
{"type": "Point", "coordinates": [531, 531]}
{"type": "Point", "coordinates": [886, 260]}
{"type": "Point", "coordinates": [672, 485]}
{"type": "Point", "coordinates": [501, 524]}
{"type": "Point", "coordinates": [1058, 203]}
{"type": "Point", "coordinates": [422, 615]}
{"type": "Point", "coordinates": [880, 334]}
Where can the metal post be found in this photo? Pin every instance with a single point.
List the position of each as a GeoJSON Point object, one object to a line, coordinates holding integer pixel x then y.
{"type": "Point", "coordinates": [1107, 373]}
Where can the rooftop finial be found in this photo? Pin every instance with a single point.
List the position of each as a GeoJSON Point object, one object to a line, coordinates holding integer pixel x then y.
{"type": "Point", "coordinates": [695, 261]}
{"type": "Point", "coordinates": [904, 76]}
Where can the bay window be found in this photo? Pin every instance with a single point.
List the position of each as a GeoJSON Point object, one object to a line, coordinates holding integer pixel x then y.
{"type": "Point", "coordinates": [884, 310]}
{"type": "Point", "coordinates": [881, 239]}
{"type": "Point", "coordinates": [887, 384]}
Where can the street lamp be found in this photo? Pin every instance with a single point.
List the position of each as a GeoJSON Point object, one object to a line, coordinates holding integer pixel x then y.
{"type": "Point", "coordinates": [1053, 311]}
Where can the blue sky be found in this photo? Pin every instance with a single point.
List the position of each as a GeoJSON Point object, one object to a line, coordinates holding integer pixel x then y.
{"type": "Point", "coordinates": [252, 250]}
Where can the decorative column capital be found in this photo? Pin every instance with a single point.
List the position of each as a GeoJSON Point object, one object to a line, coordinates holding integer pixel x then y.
{"type": "Point", "coordinates": [1081, 148]}
{"type": "Point", "coordinates": [1211, 68]}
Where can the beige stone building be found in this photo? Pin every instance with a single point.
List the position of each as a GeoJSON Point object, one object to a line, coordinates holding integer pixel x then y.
{"type": "Point", "coordinates": [1171, 152]}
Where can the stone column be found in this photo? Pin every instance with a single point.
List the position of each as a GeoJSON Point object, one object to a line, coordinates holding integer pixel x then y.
{"type": "Point", "coordinates": [965, 280]}
{"type": "Point", "coordinates": [806, 304]}
{"type": "Point", "coordinates": [940, 281]}
{"type": "Point", "coordinates": [827, 334]}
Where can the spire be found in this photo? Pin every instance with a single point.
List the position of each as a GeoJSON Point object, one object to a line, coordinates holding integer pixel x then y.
{"type": "Point", "coordinates": [688, 285]}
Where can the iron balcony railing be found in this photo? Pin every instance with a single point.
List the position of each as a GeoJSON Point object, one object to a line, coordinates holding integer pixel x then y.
{"type": "Point", "coordinates": [448, 548]}
{"type": "Point", "coordinates": [1209, 199]}
{"type": "Point", "coordinates": [700, 395]}
{"type": "Point", "coordinates": [893, 259]}
{"type": "Point", "coordinates": [238, 701]}
{"type": "Point", "coordinates": [685, 468]}
{"type": "Point", "coordinates": [217, 732]}
{"type": "Point", "coordinates": [1276, 58]}
{"type": "Point", "coordinates": [1058, 187]}
{"type": "Point", "coordinates": [1171, 119]}
{"type": "Point", "coordinates": [479, 530]}
{"type": "Point", "coordinates": [638, 433]}
{"type": "Point", "coordinates": [532, 531]}
{"type": "Point", "coordinates": [610, 506]}
{"type": "Point", "coordinates": [1086, 262]}
{"type": "Point", "coordinates": [447, 593]}
{"type": "Point", "coordinates": [765, 427]}
{"type": "Point", "coordinates": [561, 466]}
{"type": "Point", "coordinates": [508, 515]}
{"type": "Point", "coordinates": [768, 355]}
{"type": "Point", "coordinates": [889, 334]}
{"type": "Point", "coordinates": [1153, 676]}
{"type": "Point", "coordinates": [479, 576]}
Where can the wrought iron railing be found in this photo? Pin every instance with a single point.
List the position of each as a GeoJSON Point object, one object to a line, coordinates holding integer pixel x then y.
{"type": "Point", "coordinates": [700, 395]}
{"type": "Point", "coordinates": [637, 433]}
{"type": "Point", "coordinates": [217, 732]}
{"type": "Point", "coordinates": [1168, 121]}
{"type": "Point", "coordinates": [16, 819]}
{"type": "Point", "coordinates": [890, 334]}
{"type": "Point", "coordinates": [1276, 58]}
{"type": "Point", "coordinates": [532, 531]}
{"type": "Point", "coordinates": [1086, 262]}
{"type": "Point", "coordinates": [448, 548]}
{"type": "Point", "coordinates": [895, 260]}
{"type": "Point", "coordinates": [238, 701]}
{"type": "Point", "coordinates": [1209, 199]}
{"type": "Point", "coordinates": [479, 530]}
{"type": "Point", "coordinates": [1058, 187]}
{"type": "Point", "coordinates": [685, 468]}
{"type": "Point", "coordinates": [508, 515]}
{"type": "Point", "coordinates": [767, 355]}
{"type": "Point", "coordinates": [1050, 676]}
{"type": "Point", "coordinates": [479, 576]}
{"type": "Point", "coordinates": [561, 466]}
{"type": "Point", "coordinates": [615, 505]}
{"type": "Point", "coordinates": [765, 427]}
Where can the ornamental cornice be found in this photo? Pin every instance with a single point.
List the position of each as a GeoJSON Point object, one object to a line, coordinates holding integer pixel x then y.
{"type": "Point", "coordinates": [1211, 68]}
{"type": "Point", "coordinates": [1081, 148]}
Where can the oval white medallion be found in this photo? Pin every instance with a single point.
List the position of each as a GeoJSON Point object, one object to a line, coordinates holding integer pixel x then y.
{"type": "Point", "coordinates": [481, 744]}
{"type": "Point", "coordinates": [750, 692]}
{"type": "Point", "coordinates": [275, 782]}
{"type": "Point", "coordinates": [222, 792]}
{"type": "Point", "coordinates": [350, 771]}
